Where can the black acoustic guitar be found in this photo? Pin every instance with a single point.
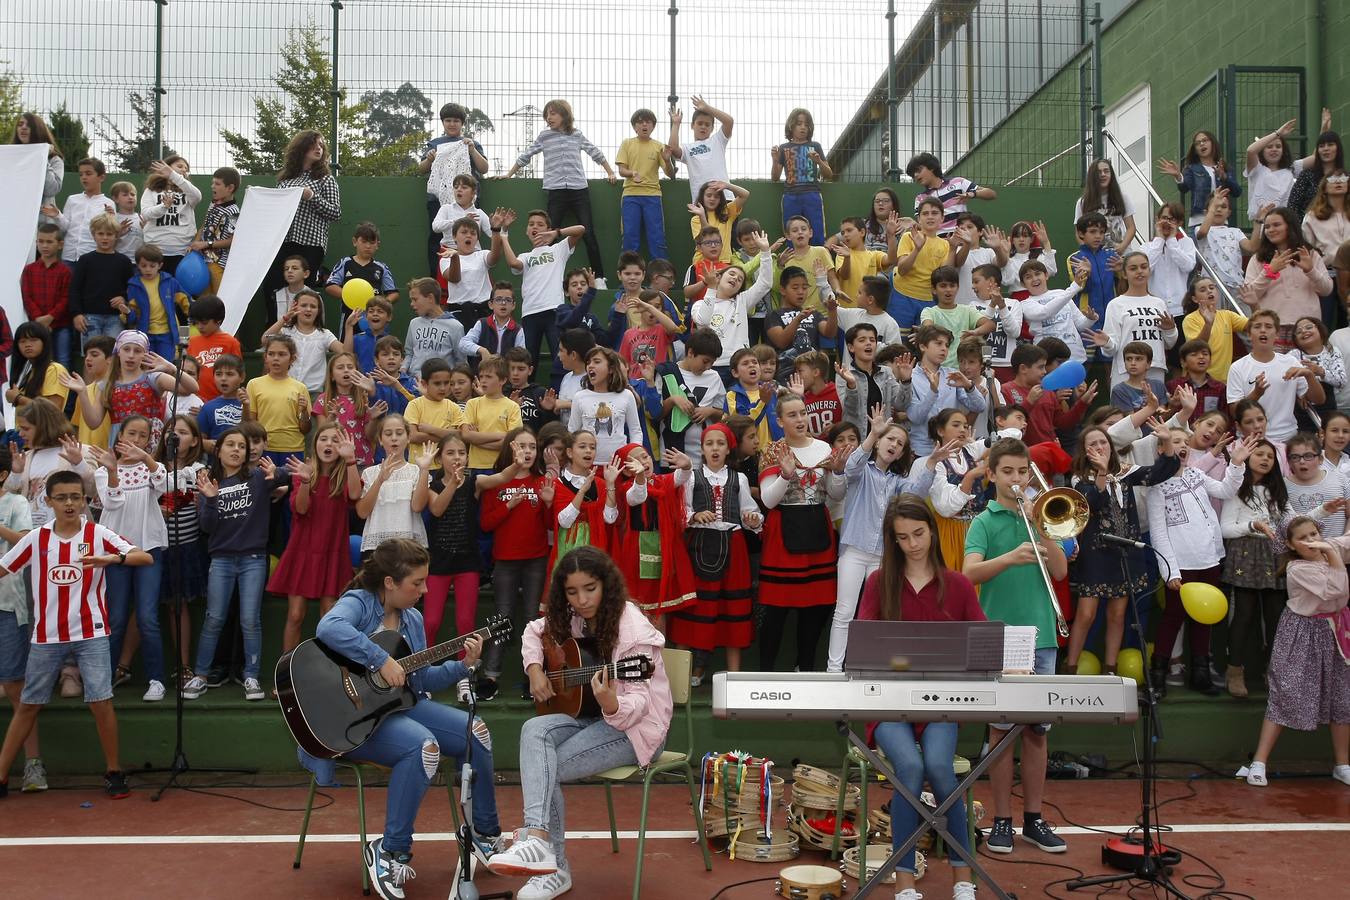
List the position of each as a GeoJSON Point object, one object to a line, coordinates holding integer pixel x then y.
{"type": "Point", "coordinates": [571, 667]}
{"type": "Point", "coordinates": [332, 704]}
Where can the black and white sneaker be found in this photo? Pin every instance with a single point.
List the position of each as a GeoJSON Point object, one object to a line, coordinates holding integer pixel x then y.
{"type": "Point", "coordinates": [487, 846]}
{"type": "Point", "coordinates": [115, 785]}
{"type": "Point", "coordinates": [388, 871]}
{"type": "Point", "coordinates": [216, 678]}
{"type": "Point", "coordinates": [1000, 838]}
{"type": "Point", "coordinates": [487, 689]}
{"type": "Point", "coordinates": [1040, 834]}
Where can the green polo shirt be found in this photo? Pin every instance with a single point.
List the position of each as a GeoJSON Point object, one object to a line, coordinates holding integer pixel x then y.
{"type": "Point", "coordinates": [1016, 595]}
{"type": "Point", "coordinates": [958, 319]}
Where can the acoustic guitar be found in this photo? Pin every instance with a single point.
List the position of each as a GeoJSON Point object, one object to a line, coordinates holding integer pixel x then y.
{"type": "Point", "coordinates": [332, 704]}
{"type": "Point", "coordinates": [571, 667]}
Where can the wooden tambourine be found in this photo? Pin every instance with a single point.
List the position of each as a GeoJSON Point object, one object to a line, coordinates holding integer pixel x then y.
{"type": "Point", "coordinates": [809, 883]}
{"type": "Point", "coordinates": [756, 846]}
{"type": "Point", "coordinates": [876, 855]}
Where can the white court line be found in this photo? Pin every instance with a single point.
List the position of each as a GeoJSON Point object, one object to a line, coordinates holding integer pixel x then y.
{"type": "Point", "coordinates": [124, 839]}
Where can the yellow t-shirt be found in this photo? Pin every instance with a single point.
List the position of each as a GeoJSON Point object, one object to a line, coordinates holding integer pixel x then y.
{"type": "Point", "coordinates": [159, 320]}
{"type": "Point", "coordinates": [92, 437]}
{"type": "Point", "coordinates": [436, 413]}
{"type": "Point", "coordinates": [806, 261]}
{"type": "Point", "coordinates": [1220, 339]}
{"type": "Point", "coordinates": [861, 264]}
{"type": "Point", "coordinates": [644, 158]}
{"type": "Point", "coordinates": [489, 415]}
{"type": "Point", "coordinates": [52, 386]}
{"type": "Point", "coordinates": [724, 228]}
{"type": "Point", "coordinates": [919, 282]}
{"type": "Point", "coordinates": [273, 401]}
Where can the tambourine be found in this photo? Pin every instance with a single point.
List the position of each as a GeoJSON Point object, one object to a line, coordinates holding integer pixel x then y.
{"type": "Point", "coordinates": [876, 855]}
{"type": "Point", "coordinates": [756, 846]}
{"type": "Point", "coordinates": [809, 883]}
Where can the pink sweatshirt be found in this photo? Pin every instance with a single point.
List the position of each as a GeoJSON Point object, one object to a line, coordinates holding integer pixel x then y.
{"type": "Point", "coordinates": [1211, 465]}
{"type": "Point", "coordinates": [1315, 588]}
{"type": "Point", "coordinates": [645, 707]}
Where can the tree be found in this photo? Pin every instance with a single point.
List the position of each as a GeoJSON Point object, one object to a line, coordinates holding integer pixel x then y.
{"type": "Point", "coordinates": [11, 97]}
{"type": "Point", "coordinates": [70, 136]}
{"type": "Point", "coordinates": [396, 128]}
{"type": "Point", "coordinates": [135, 153]}
{"type": "Point", "coordinates": [477, 124]}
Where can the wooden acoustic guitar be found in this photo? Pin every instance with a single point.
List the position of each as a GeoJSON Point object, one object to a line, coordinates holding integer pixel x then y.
{"type": "Point", "coordinates": [332, 704]}
{"type": "Point", "coordinates": [571, 667]}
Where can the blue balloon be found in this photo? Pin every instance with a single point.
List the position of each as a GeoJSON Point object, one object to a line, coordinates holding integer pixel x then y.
{"type": "Point", "coordinates": [1069, 545]}
{"type": "Point", "coordinates": [193, 273]}
{"type": "Point", "coordinates": [1070, 374]}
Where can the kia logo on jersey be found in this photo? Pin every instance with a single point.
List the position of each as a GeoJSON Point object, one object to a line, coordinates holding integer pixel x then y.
{"type": "Point", "coordinates": [63, 575]}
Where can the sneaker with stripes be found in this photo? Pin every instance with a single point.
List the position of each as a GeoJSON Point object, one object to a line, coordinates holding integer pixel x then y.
{"type": "Point", "coordinates": [525, 858]}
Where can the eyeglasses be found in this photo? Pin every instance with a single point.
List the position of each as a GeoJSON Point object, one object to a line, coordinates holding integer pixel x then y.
{"type": "Point", "coordinates": [710, 243]}
{"type": "Point", "coordinates": [1302, 457]}
{"type": "Point", "coordinates": [1338, 179]}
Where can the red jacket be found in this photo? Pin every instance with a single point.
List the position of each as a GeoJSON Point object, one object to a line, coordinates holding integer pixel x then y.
{"type": "Point", "coordinates": [521, 531]}
{"type": "Point", "coordinates": [46, 292]}
{"type": "Point", "coordinates": [1046, 415]}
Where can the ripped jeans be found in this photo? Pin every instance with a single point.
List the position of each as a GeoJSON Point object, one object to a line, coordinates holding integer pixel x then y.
{"type": "Point", "coordinates": [404, 743]}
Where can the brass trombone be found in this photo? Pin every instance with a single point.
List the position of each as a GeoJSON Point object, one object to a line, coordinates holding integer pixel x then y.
{"type": "Point", "coordinates": [1059, 514]}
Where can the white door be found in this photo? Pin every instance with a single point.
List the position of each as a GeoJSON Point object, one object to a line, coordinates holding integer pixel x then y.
{"type": "Point", "coordinates": [1130, 122]}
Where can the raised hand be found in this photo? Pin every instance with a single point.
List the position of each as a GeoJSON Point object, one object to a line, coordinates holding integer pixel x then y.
{"type": "Point", "coordinates": [206, 485]}
{"type": "Point", "coordinates": [695, 208]}
{"type": "Point", "coordinates": [72, 382]}
{"type": "Point", "coordinates": [879, 419]}
{"type": "Point", "coordinates": [363, 382]}
{"type": "Point", "coordinates": [72, 451]}
{"type": "Point", "coordinates": [549, 401]}
{"type": "Point", "coordinates": [850, 379]}
{"type": "Point", "coordinates": [1169, 167]}
{"type": "Point", "coordinates": [105, 458]}
{"type": "Point", "coordinates": [943, 452]}
{"type": "Point", "coordinates": [295, 466]}
{"type": "Point", "coordinates": [427, 457]}
{"type": "Point", "coordinates": [18, 461]}
{"type": "Point", "coordinates": [1099, 458]}
{"type": "Point", "coordinates": [796, 385]}
{"type": "Point", "coordinates": [268, 467]}
{"type": "Point", "coordinates": [676, 459]}
{"type": "Point", "coordinates": [378, 409]}
{"type": "Point", "coordinates": [1224, 440]}
{"type": "Point", "coordinates": [1242, 450]}
{"type": "Point", "coordinates": [549, 489]}
{"type": "Point", "coordinates": [612, 471]}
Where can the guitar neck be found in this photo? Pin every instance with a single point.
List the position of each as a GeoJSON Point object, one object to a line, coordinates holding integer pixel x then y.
{"type": "Point", "coordinates": [440, 652]}
{"type": "Point", "coordinates": [584, 674]}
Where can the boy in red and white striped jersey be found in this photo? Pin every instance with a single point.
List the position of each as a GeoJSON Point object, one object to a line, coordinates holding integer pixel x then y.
{"type": "Point", "coordinates": [67, 557]}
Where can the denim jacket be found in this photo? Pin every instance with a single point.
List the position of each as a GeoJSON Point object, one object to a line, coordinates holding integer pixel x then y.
{"type": "Point", "coordinates": [1195, 181]}
{"type": "Point", "coordinates": [358, 614]}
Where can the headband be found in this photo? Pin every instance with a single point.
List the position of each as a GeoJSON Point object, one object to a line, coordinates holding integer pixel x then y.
{"type": "Point", "coordinates": [131, 337]}
{"type": "Point", "coordinates": [718, 426]}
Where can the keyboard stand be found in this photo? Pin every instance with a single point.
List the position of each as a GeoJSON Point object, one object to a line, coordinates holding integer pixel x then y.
{"type": "Point", "coordinates": [930, 821]}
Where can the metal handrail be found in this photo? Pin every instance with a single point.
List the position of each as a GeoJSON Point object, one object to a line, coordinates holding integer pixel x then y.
{"type": "Point", "coordinates": [1043, 163]}
{"type": "Point", "coordinates": [1148, 186]}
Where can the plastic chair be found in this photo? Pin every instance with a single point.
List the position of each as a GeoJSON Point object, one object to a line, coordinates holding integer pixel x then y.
{"type": "Point", "coordinates": [678, 664]}
{"type": "Point", "coordinates": [358, 769]}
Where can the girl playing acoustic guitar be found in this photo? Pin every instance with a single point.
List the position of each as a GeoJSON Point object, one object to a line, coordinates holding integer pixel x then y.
{"type": "Point", "coordinates": [586, 598]}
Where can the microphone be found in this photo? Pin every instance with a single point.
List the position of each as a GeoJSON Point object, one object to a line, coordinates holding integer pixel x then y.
{"type": "Point", "coordinates": [1123, 541]}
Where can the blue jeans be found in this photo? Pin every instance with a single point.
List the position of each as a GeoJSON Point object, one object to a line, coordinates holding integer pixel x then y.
{"type": "Point", "coordinates": [94, 324]}
{"type": "Point", "coordinates": [249, 572]}
{"type": "Point", "coordinates": [401, 743]}
{"type": "Point", "coordinates": [642, 215]}
{"type": "Point", "coordinates": [896, 740]}
{"type": "Point", "coordinates": [141, 585]}
{"type": "Point", "coordinates": [45, 662]}
{"type": "Point", "coordinates": [811, 205]}
{"type": "Point", "coordinates": [556, 749]}
{"type": "Point", "coordinates": [163, 345]}
{"type": "Point", "coordinates": [61, 345]}
{"type": "Point", "coordinates": [539, 326]}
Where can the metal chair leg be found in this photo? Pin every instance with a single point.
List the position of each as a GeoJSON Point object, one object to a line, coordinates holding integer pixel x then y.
{"type": "Point", "coordinates": [613, 832]}
{"type": "Point", "coordinates": [642, 835]}
{"type": "Point", "coordinates": [698, 817]}
{"type": "Point", "coordinates": [304, 826]}
{"type": "Point", "coordinates": [361, 812]}
{"type": "Point", "coordinates": [839, 806]}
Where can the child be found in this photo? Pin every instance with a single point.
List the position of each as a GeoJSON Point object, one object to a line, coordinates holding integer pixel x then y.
{"type": "Point", "coordinates": [517, 516]}
{"type": "Point", "coordinates": [433, 415]}
{"type": "Point", "coordinates": [463, 205]}
{"type": "Point", "coordinates": [393, 387]}
{"type": "Point", "coordinates": [1195, 368]}
{"type": "Point", "coordinates": [584, 510]}
{"type": "Point", "coordinates": [50, 448]}
{"type": "Point", "coordinates": [972, 232]}
{"type": "Point", "coordinates": [713, 209]}
{"type": "Point", "coordinates": [800, 162]}
{"type": "Point", "coordinates": [1007, 317]}
{"type": "Point", "coordinates": [802, 253]}
{"type": "Point", "coordinates": [812, 383]}
{"type": "Point", "coordinates": [1222, 245]}
{"type": "Point", "coordinates": [98, 284]}
{"type": "Point", "coordinates": [1029, 241]}
{"type": "Point", "coordinates": [306, 165]}
{"type": "Point", "coordinates": [233, 506]}
{"type": "Point", "coordinates": [957, 493]}
{"type": "Point", "coordinates": [155, 298]}
{"type": "Point", "coordinates": [960, 322]}
{"type": "Point", "coordinates": [854, 262]}
{"type": "Point", "coordinates": [606, 408]}
{"type": "Point", "coordinates": [1014, 592]}
{"type": "Point", "coordinates": [720, 508]}
{"type": "Point", "coordinates": [169, 209]}
{"type": "Point", "coordinates": [217, 234]}
{"type": "Point", "coordinates": [130, 482]}
{"type": "Point", "coordinates": [317, 561]}
{"type": "Point", "coordinates": [536, 403]}
{"type": "Point", "coordinates": [15, 520]}
{"type": "Point", "coordinates": [36, 373]}
{"type": "Point", "coordinates": [866, 381]}
{"type": "Point", "coordinates": [1215, 327]}
{"type": "Point", "coordinates": [489, 417]}
{"type": "Point", "coordinates": [1276, 380]}
{"type": "Point", "coordinates": [727, 312]}
{"type": "Point", "coordinates": [1095, 263]}
{"type": "Point", "coordinates": [1128, 395]}
{"type": "Point", "coordinates": [793, 329]}
{"type": "Point", "coordinates": [1171, 258]}
{"type": "Point", "coordinates": [1205, 171]}
{"type": "Point", "coordinates": [44, 285]}
{"type": "Point", "coordinates": [744, 397]}
{"type": "Point", "coordinates": [497, 332]}
{"type": "Point", "coordinates": [303, 324]}
{"type": "Point", "coordinates": [872, 297]}
{"type": "Point", "coordinates": [564, 179]}
{"type": "Point", "coordinates": [389, 503]}
{"type": "Point", "coordinates": [184, 563]}
{"type": "Point", "coordinates": [1102, 194]}
{"type": "Point", "coordinates": [937, 388]}
{"type": "Point", "coordinates": [1309, 681]}
{"type": "Point", "coordinates": [706, 157]}
{"type": "Point", "coordinates": [540, 268]}
{"type": "Point", "coordinates": [649, 545]}
{"type": "Point", "coordinates": [585, 596]}
{"type": "Point", "coordinates": [576, 313]}
{"type": "Point", "coordinates": [364, 328]}
{"type": "Point", "coordinates": [68, 622]}
{"type": "Point", "coordinates": [136, 383]}
{"type": "Point", "coordinates": [345, 400]}
{"type": "Point", "coordinates": [631, 272]}
{"type": "Point", "coordinates": [278, 402]}
{"type": "Point", "coordinates": [952, 194]}
{"type": "Point", "coordinates": [692, 394]}
{"type": "Point", "coordinates": [843, 439]}
{"type": "Point", "coordinates": [295, 274]}
{"type": "Point", "coordinates": [432, 331]}
{"type": "Point", "coordinates": [1051, 314]}
{"type": "Point", "coordinates": [1045, 411]}
{"type": "Point", "coordinates": [640, 159]}
{"type": "Point", "coordinates": [463, 386]}
{"type": "Point", "coordinates": [131, 226]}
{"type": "Point", "coordinates": [209, 344]}
{"type": "Point", "coordinates": [1335, 435]}
{"type": "Point", "coordinates": [225, 410]}
{"type": "Point", "coordinates": [1249, 524]}
{"type": "Point", "coordinates": [1322, 359]}
{"type": "Point", "coordinates": [466, 268]}
{"type": "Point", "coordinates": [919, 254]}
{"type": "Point", "coordinates": [183, 400]}
{"type": "Point", "coordinates": [1313, 490]}
{"type": "Point", "coordinates": [449, 155]}
{"type": "Point", "coordinates": [1137, 315]}
{"type": "Point", "coordinates": [75, 218]}
{"type": "Point", "coordinates": [880, 468]}
{"type": "Point", "coordinates": [798, 567]}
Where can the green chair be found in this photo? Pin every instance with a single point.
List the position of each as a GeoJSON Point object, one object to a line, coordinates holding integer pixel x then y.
{"type": "Point", "coordinates": [678, 664]}
{"type": "Point", "coordinates": [358, 769]}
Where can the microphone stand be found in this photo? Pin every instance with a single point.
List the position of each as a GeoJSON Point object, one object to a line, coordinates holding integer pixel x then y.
{"type": "Point", "coordinates": [463, 887]}
{"type": "Point", "coordinates": [173, 576]}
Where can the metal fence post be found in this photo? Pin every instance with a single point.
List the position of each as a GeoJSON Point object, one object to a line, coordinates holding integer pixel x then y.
{"type": "Point", "coordinates": [1098, 119]}
{"type": "Point", "coordinates": [673, 12]}
{"type": "Point", "coordinates": [159, 78]}
{"type": "Point", "coordinates": [336, 92]}
{"type": "Point", "coordinates": [892, 101]}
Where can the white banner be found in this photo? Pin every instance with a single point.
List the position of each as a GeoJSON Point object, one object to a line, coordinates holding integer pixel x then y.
{"type": "Point", "coordinates": [23, 169]}
{"type": "Point", "coordinates": [264, 219]}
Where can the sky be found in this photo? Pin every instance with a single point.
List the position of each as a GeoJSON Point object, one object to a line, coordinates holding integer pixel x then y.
{"type": "Point", "coordinates": [756, 59]}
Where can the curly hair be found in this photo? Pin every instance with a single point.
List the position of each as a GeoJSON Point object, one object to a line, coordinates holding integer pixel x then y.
{"type": "Point", "coordinates": [604, 628]}
{"type": "Point", "coordinates": [293, 164]}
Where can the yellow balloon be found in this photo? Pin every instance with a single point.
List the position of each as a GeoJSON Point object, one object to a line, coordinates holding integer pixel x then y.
{"type": "Point", "coordinates": [1130, 664]}
{"type": "Point", "coordinates": [1204, 603]}
{"type": "Point", "coordinates": [1089, 664]}
{"type": "Point", "coordinates": [357, 292]}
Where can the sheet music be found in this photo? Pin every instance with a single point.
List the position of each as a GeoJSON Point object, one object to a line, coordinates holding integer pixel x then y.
{"type": "Point", "coordinates": [1019, 648]}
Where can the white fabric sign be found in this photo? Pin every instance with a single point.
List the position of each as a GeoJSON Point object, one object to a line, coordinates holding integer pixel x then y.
{"type": "Point", "coordinates": [23, 171]}
{"type": "Point", "coordinates": [264, 219]}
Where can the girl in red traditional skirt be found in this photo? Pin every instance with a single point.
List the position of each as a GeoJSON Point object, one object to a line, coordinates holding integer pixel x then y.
{"type": "Point", "coordinates": [797, 570]}
{"type": "Point", "coordinates": [583, 507]}
{"type": "Point", "coordinates": [649, 545]}
{"type": "Point", "coordinates": [720, 507]}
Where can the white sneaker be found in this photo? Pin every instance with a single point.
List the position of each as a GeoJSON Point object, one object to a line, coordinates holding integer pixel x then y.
{"type": "Point", "coordinates": [1256, 775]}
{"type": "Point", "coordinates": [195, 687]}
{"type": "Point", "coordinates": [524, 859]}
{"type": "Point", "coordinates": [546, 887]}
{"type": "Point", "coordinates": [1341, 774]}
{"type": "Point", "coordinates": [464, 691]}
{"type": "Point", "coordinates": [963, 890]}
{"type": "Point", "coordinates": [908, 894]}
{"type": "Point", "coordinates": [155, 693]}
{"type": "Point", "coordinates": [252, 689]}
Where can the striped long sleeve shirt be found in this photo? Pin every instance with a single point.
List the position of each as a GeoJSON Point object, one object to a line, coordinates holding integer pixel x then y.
{"type": "Point", "coordinates": [562, 160]}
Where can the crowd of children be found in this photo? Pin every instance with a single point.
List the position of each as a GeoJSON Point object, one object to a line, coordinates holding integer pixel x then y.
{"type": "Point", "coordinates": [731, 441]}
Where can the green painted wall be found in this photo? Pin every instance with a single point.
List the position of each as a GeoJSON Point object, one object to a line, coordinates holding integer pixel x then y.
{"type": "Point", "coordinates": [1157, 43]}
